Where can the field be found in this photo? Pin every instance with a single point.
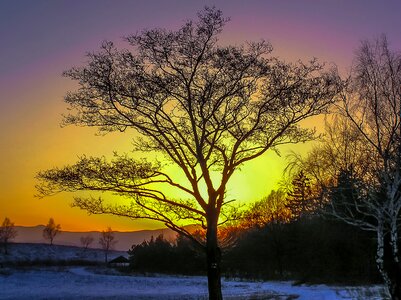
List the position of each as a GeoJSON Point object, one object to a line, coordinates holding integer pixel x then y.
{"type": "Point", "coordinates": [23, 276]}
{"type": "Point", "coordinates": [90, 283]}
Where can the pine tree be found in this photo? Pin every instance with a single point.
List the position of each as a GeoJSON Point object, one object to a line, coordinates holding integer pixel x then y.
{"type": "Point", "coordinates": [301, 199]}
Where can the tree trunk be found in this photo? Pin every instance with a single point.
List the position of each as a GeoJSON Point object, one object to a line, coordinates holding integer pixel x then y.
{"type": "Point", "coordinates": [395, 280]}
{"type": "Point", "coordinates": [213, 257]}
{"type": "Point", "coordinates": [380, 256]}
{"type": "Point", "coordinates": [394, 268]}
{"type": "Point", "coordinates": [389, 269]}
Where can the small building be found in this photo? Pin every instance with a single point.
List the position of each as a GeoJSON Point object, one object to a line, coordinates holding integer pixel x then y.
{"type": "Point", "coordinates": [119, 261]}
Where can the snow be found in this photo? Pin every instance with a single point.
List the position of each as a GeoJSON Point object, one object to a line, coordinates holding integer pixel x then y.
{"type": "Point", "coordinates": [26, 252]}
{"type": "Point", "coordinates": [86, 283]}
{"type": "Point", "coordinates": [95, 282]}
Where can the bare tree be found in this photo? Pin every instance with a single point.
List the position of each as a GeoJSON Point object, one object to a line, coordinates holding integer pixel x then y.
{"type": "Point", "coordinates": [51, 230]}
{"type": "Point", "coordinates": [86, 241]}
{"type": "Point", "coordinates": [362, 155]}
{"type": "Point", "coordinates": [208, 109]}
{"type": "Point", "coordinates": [341, 148]}
{"type": "Point", "coordinates": [270, 209]}
{"type": "Point", "coordinates": [7, 233]}
{"type": "Point", "coordinates": [373, 105]}
{"type": "Point", "coordinates": [107, 242]}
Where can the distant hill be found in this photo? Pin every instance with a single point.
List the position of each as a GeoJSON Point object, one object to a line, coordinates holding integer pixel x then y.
{"type": "Point", "coordinates": [69, 238]}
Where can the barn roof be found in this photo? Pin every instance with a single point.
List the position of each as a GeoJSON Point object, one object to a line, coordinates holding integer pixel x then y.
{"type": "Point", "coordinates": [119, 259]}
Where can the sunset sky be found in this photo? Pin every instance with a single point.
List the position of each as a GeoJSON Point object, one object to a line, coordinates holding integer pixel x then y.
{"type": "Point", "coordinates": [40, 39]}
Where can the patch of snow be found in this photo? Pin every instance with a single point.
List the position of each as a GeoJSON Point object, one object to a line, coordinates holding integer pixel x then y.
{"type": "Point", "coordinates": [82, 283]}
{"type": "Point", "coordinates": [82, 271]}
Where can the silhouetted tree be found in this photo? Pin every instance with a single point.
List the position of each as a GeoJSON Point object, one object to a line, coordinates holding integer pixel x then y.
{"type": "Point", "coordinates": [208, 109]}
{"type": "Point", "coordinates": [162, 256]}
{"type": "Point", "coordinates": [271, 209]}
{"type": "Point", "coordinates": [155, 255]}
{"type": "Point", "coordinates": [373, 105]}
{"type": "Point", "coordinates": [86, 241]}
{"type": "Point", "coordinates": [7, 233]}
{"type": "Point", "coordinates": [301, 198]}
{"type": "Point", "coordinates": [51, 230]}
{"type": "Point", "coordinates": [107, 242]}
{"type": "Point", "coordinates": [309, 249]}
{"type": "Point", "coordinates": [362, 155]}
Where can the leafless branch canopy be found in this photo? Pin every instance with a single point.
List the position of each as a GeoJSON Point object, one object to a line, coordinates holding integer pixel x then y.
{"type": "Point", "coordinates": [373, 105]}
{"type": "Point", "coordinates": [364, 142]}
{"type": "Point", "coordinates": [207, 108]}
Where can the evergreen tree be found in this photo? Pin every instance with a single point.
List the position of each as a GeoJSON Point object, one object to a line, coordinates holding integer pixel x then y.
{"type": "Point", "coordinates": [301, 198]}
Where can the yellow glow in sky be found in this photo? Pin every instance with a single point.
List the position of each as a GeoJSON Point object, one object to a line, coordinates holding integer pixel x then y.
{"type": "Point", "coordinates": [33, 141]}
{"type": "Point", "coordinates": [40, 40]}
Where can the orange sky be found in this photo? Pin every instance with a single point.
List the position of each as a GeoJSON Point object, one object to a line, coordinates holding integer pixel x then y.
{"type": "Point", "coordinates": [41, 39]}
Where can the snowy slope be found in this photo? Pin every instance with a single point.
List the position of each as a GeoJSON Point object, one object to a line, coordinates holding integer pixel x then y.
{"type": "Point", "coordinates": [26, 252]}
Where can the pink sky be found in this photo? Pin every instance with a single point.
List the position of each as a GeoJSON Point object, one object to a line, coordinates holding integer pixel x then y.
{"type": "Point", "coordinates": [40, 39]}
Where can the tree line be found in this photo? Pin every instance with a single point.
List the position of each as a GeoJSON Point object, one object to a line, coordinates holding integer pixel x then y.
{"type": "Point", "coordinates": [268, 243]}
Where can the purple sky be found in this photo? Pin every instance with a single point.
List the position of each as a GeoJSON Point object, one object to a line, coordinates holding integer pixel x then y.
{"type": "Point", "coordinates": [40, 39]}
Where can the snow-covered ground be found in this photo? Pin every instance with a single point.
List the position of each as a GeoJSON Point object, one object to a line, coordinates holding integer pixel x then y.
{"type": "Point", "coordinates": [78, 282]}
{"type": "Point", "coordinates": [85, 283]}
{"type": "Point", "coordinates": [26, 252]}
